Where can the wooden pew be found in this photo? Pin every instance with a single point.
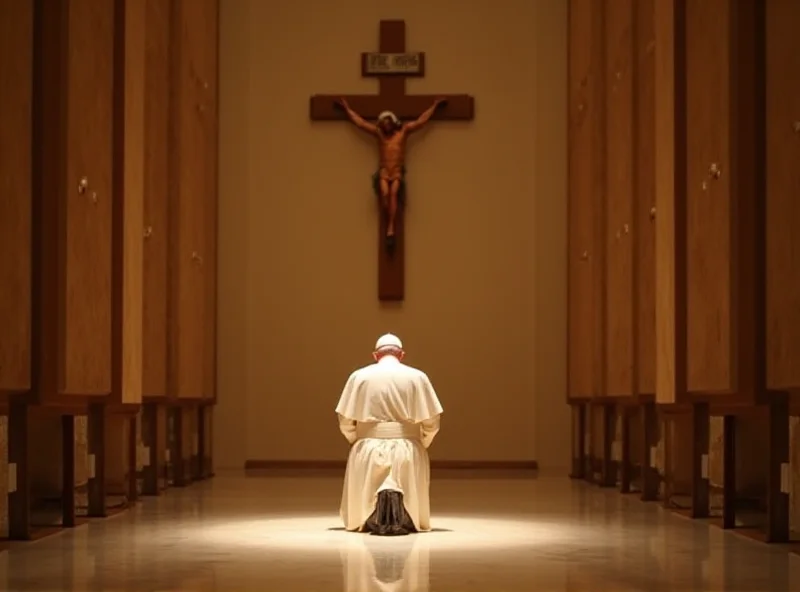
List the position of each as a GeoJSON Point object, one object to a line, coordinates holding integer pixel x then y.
{"type": "Point", "coordinates": [180, 240]}
{"type": "Point", "coordinates": [783, 219]}
{"type": "Point", "coordinates": [676, 289]}
{"type": "Point", "coordinates": [586, 381]}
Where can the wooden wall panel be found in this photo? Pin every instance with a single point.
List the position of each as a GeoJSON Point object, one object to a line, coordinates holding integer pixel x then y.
{"type": "Point", "coordinates": [16, 67]}
{"type": "Point", "coordinates": [783, 194]}
{"type": "Point", "coordinates": [129, 188]}
{"type": "Point", "coordinates": [73, 198]}
{"type": "Point", "coordinates": [209, 87]}
{"type": "Point", "coordinates": [187, 213]}
{"type": "Point", "coordinates": [586, 188]}
{"type": "Point", "coordinates": [709, 212]}
{"type": "Point", "coordinates": [644, 202]}
{"type": "Point", "coordinates": [87, 264]}
{"type": "Point", "coordinates": [725, 195]}
{"type": "Point", "coordinates": [156, 197]}
{"type": "Point", "coordinates": [670, 202]}
{"type": "Point", "coordinates": [619, 190]}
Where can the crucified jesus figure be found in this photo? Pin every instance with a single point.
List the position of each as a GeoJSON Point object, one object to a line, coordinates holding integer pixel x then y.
{"type": "Point", "coordinates": [389, 182]}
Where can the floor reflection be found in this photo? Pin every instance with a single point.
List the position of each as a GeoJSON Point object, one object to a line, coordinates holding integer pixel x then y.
{"type": "Point", "coordinates": [381, 564]}
{"type": "Point", "coordinates": [236, 533]}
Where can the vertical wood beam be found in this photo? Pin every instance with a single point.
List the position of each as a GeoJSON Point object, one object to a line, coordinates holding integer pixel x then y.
{"type": "Point", "coordinates": [729, 493]}
{"type": "Point", "coordinates": [68, 471]}
{"type": "Point", "coordinates": [700, 447]}
{"type": "Point", "coordinates": [649, 420]}
{"type": "Point", "coordinates": [97, 454]}
{"type": "Point", "coordinates": [19, 501]}
{"type": "Point", "coordinates": [133, 457]}
{"type": "Point", "coordinates": [578, 441]}
{"type": "Point", "coordinates": [777, 456]}
{"type": "Point", "coordinates": [626, 465]}
{"type": "Point", "coordinates": [154, 468]}
{"type": "Point", "coordinates": [608, 471]}
{"type": "Point", "coordinates": [177, 460]}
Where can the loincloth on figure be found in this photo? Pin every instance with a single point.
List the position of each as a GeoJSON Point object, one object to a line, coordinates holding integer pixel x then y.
{"type": "Point", "coordinates": [390, 176]}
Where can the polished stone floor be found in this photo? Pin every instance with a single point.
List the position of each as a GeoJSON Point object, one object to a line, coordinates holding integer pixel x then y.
{"type": "Point", "coordinates": [512, 534]}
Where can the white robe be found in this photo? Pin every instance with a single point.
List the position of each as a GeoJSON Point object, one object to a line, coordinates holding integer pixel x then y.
{"type": "Point", "coordinates": [390, 413]}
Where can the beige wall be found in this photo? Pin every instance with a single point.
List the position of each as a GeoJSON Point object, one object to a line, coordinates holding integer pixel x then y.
{"type": "Point", "coordinates": [485, 309]}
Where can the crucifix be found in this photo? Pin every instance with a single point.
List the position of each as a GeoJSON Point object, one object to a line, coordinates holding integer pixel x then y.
{"type": "Point", "coordinates": [390, 116]}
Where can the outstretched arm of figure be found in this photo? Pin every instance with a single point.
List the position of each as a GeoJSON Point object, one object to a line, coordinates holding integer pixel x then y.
{"type": "Point", "coordinates": [348, 428]}
{"type": "Point", "coordinates": [359, 121]}
{"type": "Point", "coordinates": [425, 117]}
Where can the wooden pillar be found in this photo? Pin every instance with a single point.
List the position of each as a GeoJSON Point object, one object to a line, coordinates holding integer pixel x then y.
{"type": "Point", "coordinates": [68, 471]}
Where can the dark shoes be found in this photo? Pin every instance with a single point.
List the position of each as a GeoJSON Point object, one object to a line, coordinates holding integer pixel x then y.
{"type": "Point", "coordinates": [390, 517]}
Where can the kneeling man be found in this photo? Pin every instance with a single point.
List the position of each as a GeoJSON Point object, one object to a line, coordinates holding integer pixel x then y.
{"type": "Point", "coordinates": [390, 414]}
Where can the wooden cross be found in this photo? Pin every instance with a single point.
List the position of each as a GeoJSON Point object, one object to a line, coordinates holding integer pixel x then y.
{"type": "Point", "coordinates": [391, 65]}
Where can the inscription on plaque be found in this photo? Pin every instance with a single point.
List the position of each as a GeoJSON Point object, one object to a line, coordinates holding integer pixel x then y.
{"type": "Point", "coordinates": [393, 63]}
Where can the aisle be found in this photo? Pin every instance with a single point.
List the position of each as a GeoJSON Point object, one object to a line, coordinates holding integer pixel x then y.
{"type": "Point", "coordinates": [283, 534]}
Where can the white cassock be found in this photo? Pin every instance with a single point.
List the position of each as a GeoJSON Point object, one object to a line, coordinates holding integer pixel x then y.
{"type": "Point", "coordinates": [390, 413]}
